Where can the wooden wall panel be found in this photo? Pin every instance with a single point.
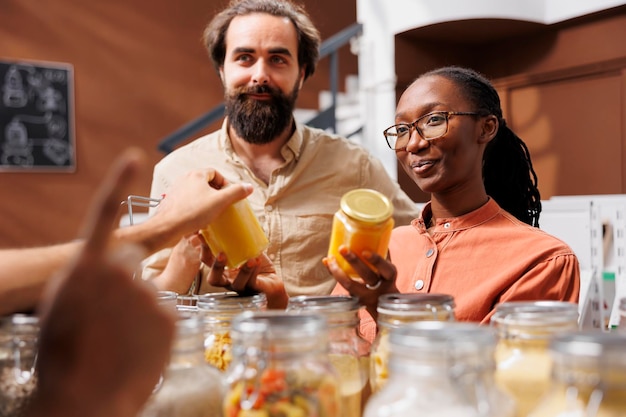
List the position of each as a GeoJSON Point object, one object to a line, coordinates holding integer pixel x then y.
{"type": "Point", "coordinates": [548, 77]}
{"type": "Point", "coordinates": [573, 132]}
{"type": "Point", "coordinates": [140, 73]}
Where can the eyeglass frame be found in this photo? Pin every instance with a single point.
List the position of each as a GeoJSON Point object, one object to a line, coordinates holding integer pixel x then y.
{"type": "Point", "coordinates": [413, 125]}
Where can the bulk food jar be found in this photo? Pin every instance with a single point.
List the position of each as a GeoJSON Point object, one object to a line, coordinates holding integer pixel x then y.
{"type": "Point", "coordinates": [18, 352]}
{"type": "Point", "coordinates": [280, 367]}
{"type": "Point", "coordinates": [237, 233]}
{"type": "Point", "coordinates": [189, 386]}
{"type": "Point", "coordinates": [524, 330]}
{"type": "Point", "coordinates": [348, 351]}
{"type": "Point", "coordinates": [397, 310]}
{"type": "Point", "coordinates": [441, 369]}
{"type": "Point", "coordinates": [588, 376]}
{"type": "Point", "coordinates": [362, 223]}
{"type": "Point", "coordinates": [217, 311]}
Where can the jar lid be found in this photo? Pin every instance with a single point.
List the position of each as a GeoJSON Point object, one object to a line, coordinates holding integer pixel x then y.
{"type": "Point", "coordinates": [231, 301]}
{"type": "Point", "coordinates": [323, 303]}
{"type": "Point", "coordinates": [591, 346]}
{"type": "Point", "coordinates": [366, 205]}
{"type": "Point", "coordinates": [438, 337]}
{"type": "Point", "coordinates": [533, 313]}
{"type": "Point", "coordinates": [276, 325]}
{"type": "Point", "coordinates": [412, 304]}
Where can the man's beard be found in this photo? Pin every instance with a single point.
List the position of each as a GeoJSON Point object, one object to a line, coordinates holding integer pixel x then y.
{"type": "Point", "coordinates": [260, 121]}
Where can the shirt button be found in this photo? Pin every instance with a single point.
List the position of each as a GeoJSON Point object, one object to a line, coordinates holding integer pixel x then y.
{"type": "Point", "coordinates": [419, 284]}
{"type": "Point", "coordinates": [446, 225]}
{"type": "Point", "coordinates": [269, 207]}
{"type": "Point", "coordinates": [430, 252]}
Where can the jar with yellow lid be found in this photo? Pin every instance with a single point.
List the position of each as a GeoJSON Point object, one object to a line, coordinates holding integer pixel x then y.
{"type": "Point", "coordinates": [524, 330]}
{"type": "Point", "coordinates": [217, 310]}
{"type": "Point", "coordinates": [588, 376]}
{"type": "Point", "coordinates": [237, 233]}
{"type": "Point", "coordinates": [280, 367]}
{"type": "Point", "coordinates": [398, 310]}
{"type": "Point", "coordinates": [349, 352]}
{"type": "Point", "coordinates": [441, 369]}
{"type": "Point", "coordinates": [362, 223]}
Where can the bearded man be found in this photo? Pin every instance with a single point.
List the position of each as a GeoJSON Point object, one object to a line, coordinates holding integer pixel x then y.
{"type": "Point", "coordinates": [264, 50]}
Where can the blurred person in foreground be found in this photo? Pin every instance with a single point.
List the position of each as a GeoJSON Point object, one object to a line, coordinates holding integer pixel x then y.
{"type": "Point", "coordinates": [263, 51]}
{"type": "Point", "coordinates": [104, 338]}
{"type": "Point", "coordinates": [478, 239]}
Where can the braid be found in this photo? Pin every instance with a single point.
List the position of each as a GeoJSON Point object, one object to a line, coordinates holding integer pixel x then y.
{"type": "Point", "coordinates": [509, 176]}
{"type": "Point", "coordinates": [508, 172]}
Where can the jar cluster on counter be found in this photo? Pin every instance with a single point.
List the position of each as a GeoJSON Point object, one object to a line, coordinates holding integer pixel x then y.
{"type": "Point", "coordinates": [18, 352]}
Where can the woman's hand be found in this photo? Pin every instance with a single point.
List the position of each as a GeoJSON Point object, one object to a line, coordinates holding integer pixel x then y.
{"type": "Point", "coordinates": [371, 284]}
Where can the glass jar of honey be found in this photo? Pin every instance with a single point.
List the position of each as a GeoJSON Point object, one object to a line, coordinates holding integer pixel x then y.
{"type": "Point", "coordinates": [237, 233]}
{"type": "Point", "coordinates": [398, 310]}
{"type": "Point", "coordinates": [524, 330]}
{"type": "Point", "coordinates": [349, 352]}
{"type": "Point", "coordinates": [280, 367]}
{"type": "Point", "coordinates": [362, 223]}
{"type": "Point", "coordinates": [217, 311]}
{"type": "Point", "coordinates": [441, 369]}
{"type": "Point", "coordinates": [588, 376]}
{"type": "Point", "coordinates": [19, 334]}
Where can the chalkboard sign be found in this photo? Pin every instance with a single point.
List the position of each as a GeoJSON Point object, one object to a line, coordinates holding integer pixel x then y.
{"type": "Point", "coordinates": [36, 117]}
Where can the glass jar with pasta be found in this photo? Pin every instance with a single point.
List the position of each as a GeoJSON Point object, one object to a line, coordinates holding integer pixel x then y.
{"type": "Point", "coordinates": [280, 367]}
{"type": "Point", "coordinates": [217, 311]}
{"type": "Point", "coordinates": [349, 352]}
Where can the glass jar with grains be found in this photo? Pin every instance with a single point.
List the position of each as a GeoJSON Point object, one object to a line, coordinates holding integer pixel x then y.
{"type": "Point", "coordinates": [348, 350]}
{"type": "Point", "coordinates": [18, 352]}
{"type": "Point", "coordinates": [524, 330]}
{"type": "Point", "coordinates": [280, 367]}
{"type": "Point", "coordinates": [190, 387]}
{"type": "Point", "coordinates": [441, 369]}
{"type": "Point", "coordinates": [397, 310]}
{"type": "Point", "coordinates": [217, 311]}
{"type": "Point", "coordinates": [588, 376]}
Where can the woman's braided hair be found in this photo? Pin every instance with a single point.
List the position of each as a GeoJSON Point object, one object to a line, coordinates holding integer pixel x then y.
{"type": "Point", "coordinates": [508, 172]}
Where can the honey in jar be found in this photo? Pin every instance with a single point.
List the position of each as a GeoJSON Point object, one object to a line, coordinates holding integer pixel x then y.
{"type": "Point", "coordinates": [237, 233]}
{"type": "Point", "coordinates": [362, 223]}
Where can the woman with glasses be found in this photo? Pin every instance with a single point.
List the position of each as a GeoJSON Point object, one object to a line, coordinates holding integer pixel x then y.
{"type": "Point", "coordinates": [478, 237]}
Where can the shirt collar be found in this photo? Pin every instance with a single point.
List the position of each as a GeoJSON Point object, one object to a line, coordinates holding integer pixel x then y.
{"type": "Point", "coordinates": [482, 214]}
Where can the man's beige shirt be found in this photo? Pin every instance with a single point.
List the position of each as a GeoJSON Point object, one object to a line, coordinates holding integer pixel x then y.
{"type": "Point", "coordinates": [296, 208]}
